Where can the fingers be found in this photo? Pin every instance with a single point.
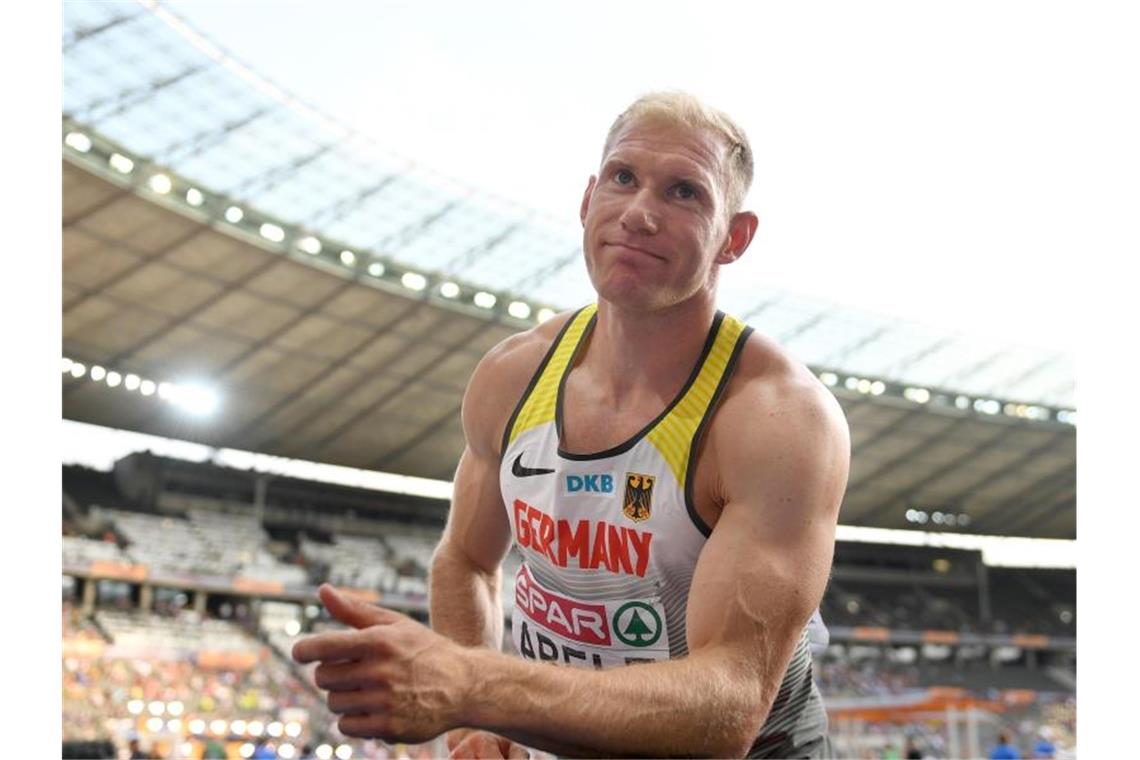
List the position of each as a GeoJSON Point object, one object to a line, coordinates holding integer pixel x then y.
{"type": "Point", "coordinates": [361, 702]}
{"type": "Point", "coordinates": [335, 645]}
{"type": "Point", "coordinates": [480, 745]}
{"type": "Point", "coordinates": [344, 676]}
{"type": "Point", "coordinates": [354, 612]}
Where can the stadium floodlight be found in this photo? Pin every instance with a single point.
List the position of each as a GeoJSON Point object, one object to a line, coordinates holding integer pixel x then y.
{"type": "Point", "coordinates": [197, 726]}
{"type": "Point", "coordinates": [344, 751]}
{"type": "Point", "coordinates": [449, 290]}
{"type": "Point", "coordinates": [247, 749]}
{"type": "Point", "coordinates": [174, 725]}
{"type": "Point", "coordinates": [166, 391]}
{"type": "Point", "coordinates": [962, 402]}
{"type": "Point", "coordinates": [136, 706]}
{"type": "Point", "coordinates": [1067, 416]}
{"type": "Point", "coordinates": [413, 281]}
{"type": "Point", "coordinates": [237, 727]}
{"type": "Point", "coordinates": [272, 232]}
{"type": "Point", "coordinates": [324, 752]}
{"type": "Point", "coordinates": [98, 373]}
{"type": "Point", "coordinates": [256, 728]}
{"type": "Point", "coordinates": [146, 387]}
{"type": "Point", "coordinates": [376, 269]}
{"type": "Point", "coordinates": [292, 628]}
{"type": "Point", "coordinates": [485, 300]}
{"type": "Point", "coordinates": [160, 183]}
{"type": "Point", "coordinates": [113, 379]}
{"type": "Point", "coordinates": [544, 314]}
{"type": "Point", "coordinates": [218, 726]}
{"type": "Point", "coordinates": [66, 365]}
{"type": "Point", "coordinates": [950, 518]}
{"type": "Point", "coordinates": [275, 729]}
{"type": "Point", "coordinates": [287, 751]}
{"type": "Point", "coordinates": [194, 398]}
{"type": "Point", "coordinates": [154, 725]}
{"type": "Point", "coordinates": [851, 383]}
{"type": "Point", "coordinates": [863, 386]}
{"type": "Point", "coordinates": [348, 258]}
{"type": "Point", "coordinates": [234, 214]}
{"type": "Point", "coordinates": [78, 141]}
{"type": "Point", "coordinates": [963, 519]}
{"type": "Point", "coordinates": [293, 729]}
{"type": "Point", "coordinates": [121, 163]}
{"type": "Point", "coordinates": [131, 382]}
{"type": "Point", "coordinates": [829, 378]}
{"type": "Point", "coordinates": [910, 516]}
{"type": "Point", "coordinates": [878, 388]}
{"type": "Point", "coordinates": [917, 395]}
{"type": "Point", "coordinates": [156, 708]}
{"type": "Point", "coordinates": [194, 197]}
{"type": "Point", "coordinates": [309, 245]}
{"type": "Point", "coordinates": [78, 370]}
{"type": "Point", "coordinates": [519, 309]}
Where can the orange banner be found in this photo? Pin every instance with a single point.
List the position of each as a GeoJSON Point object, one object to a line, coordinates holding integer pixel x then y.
{"type": "Point", "coordinates": [1031, 640]}
{"type": "Point", "coordinates": [361, 594]}
{"type": "Point", "coordinates": [118, 570]}
{"type": "Point", "coordinates": [210, 658]}
{"type": "Point", "coordinates": [939, 637]}
{"type": "Point", "coordinates": [870, 634]}
{"type": "Point", "coordinates": [255, 586]}
{"type": "Point", "coordinates": [87, 649]}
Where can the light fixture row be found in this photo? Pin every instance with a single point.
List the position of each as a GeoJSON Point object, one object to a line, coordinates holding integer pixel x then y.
{"type": "Point", "coordinates": [191, 397]}
{"type": "Point", "coordinates": [920, 395]}
{"type": "Point", "coordinates": [948, 519]}
{"type": "Point", "coordinates": [165, 184]}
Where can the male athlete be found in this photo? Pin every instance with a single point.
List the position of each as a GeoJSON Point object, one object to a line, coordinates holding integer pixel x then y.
{"type": "Point", "coordinates": [671, 479]}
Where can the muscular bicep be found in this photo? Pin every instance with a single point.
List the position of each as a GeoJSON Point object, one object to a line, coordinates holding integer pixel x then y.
{"type": "Point", "coordinates": [763, 570]}
{"type": "Point", "coordinates": [477, 527]}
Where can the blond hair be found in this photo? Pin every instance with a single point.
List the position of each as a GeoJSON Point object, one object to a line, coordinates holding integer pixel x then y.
{"type": "Point", "coordinates": [678, 108]}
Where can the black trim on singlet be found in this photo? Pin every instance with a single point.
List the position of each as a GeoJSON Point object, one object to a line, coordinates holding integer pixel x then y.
{"type": "Point", "coordinates": [729, 367]}
{"type": "Point", "coordinates": [621, 448]}
{"type": "Point", "coordinates": [534, 380]}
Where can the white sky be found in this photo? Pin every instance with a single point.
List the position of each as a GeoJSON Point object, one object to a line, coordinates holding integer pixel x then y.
{"type": "Point", "coordinates": [913, 159]}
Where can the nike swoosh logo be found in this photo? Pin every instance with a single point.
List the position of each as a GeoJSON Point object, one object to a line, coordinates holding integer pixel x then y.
{"type": "Point", "coordinates": [519, 471]}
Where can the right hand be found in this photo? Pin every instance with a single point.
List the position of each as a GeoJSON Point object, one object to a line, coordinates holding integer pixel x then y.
{"type": "Point", "coordinates": [483, 745]}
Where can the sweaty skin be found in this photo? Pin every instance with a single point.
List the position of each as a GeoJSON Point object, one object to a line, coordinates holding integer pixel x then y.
{"type": "Point", "coordinates": [769, 478]}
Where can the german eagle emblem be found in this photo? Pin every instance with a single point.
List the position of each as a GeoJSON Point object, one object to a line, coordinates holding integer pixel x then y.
{"type": "Point", "coordinates": [638, 496]}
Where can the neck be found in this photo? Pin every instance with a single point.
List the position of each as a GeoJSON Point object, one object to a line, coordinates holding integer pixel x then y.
{"type": "Point", "coordinates": [632, 352]}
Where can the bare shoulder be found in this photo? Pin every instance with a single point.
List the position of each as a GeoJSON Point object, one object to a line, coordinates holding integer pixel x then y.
{"type": "Point", "coordinates": [500, 379]}
{"type": "Point", "coordinates": [777, 419]}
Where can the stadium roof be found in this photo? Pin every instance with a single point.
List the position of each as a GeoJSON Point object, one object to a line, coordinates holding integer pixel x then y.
{"type": "Point", "coordinates": [332, 359]}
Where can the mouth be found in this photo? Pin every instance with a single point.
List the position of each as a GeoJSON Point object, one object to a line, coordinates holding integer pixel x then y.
{"type": "Point", "coordinates": [629, 247]}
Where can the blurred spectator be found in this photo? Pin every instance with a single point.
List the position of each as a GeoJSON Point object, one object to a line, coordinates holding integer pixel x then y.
{"type": "Point", "coordinates": [1004, 750]}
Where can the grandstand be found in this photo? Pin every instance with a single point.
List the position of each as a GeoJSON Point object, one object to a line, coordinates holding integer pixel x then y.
{"type": "Point", "coordinates": [327, 302]}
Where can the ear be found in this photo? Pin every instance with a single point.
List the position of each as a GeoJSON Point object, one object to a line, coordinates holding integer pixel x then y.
{"type": "Point", "coordinates": [740, 232]}
{"type": "Point", "coordinates": [586, 198]}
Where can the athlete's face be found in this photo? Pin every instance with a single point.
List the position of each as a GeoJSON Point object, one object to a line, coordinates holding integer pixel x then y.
{"type": "Point", "coordinates": [656, 219]}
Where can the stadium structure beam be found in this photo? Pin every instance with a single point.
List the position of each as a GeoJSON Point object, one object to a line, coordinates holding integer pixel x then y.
{"type": "Point", "coordinates": [270, 178]}
{"type": "Point", "coordinates": [905, 363]}
{"type": "Point", "coordinates": [803, 327]}
{"type": "Point", "coordinates": [478, 250]}
{"type": "Point", "coordinates": [1034, 370]}
{"type": "Point", "coordinates": [129, 98]}
{"type": "Point", "coordinates": [1065, 503]}
{"type": "Point", "coordinates": [88, 32]}
{"type": "Point", "coordinates": [196, 144]}
{"type": "Point", "coordinates": [342, 207]}
{"type": "Point", "coordinates": [1027, 456]}
{"type": "Point", "coordinates": [902, 494]}
{"type": "Point", "coordinates": [375, 334]}
{"type": "Point", "coordinates": [425, 433]}
{"type": "Point", "coordinates": [966, 372]}
{"type": "Point", "coordinates": [448, 350]}
{"type": "Point", "coordinates": [175, 322]}
{"type": "Point", "coordinates": [1043, 494]}
{"type": "Point", "coordinates": [838, 358]}
{"type": "Point", "coordinates": [909, 454]}
{"type": "Point", "coordinates": [992, 520]}
{"type": "Point", "coordinates": [760, 308]}
{"type": "Point", "coordinates": [554, 267]}
{"type": "Point", "coordinates": [408, 232]}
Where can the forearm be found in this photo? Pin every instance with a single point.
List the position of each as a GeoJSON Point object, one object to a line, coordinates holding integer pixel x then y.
{"type": "Point", "coordinates": [695, 706]}
{"type": "Point", "coordinates": [465, 601]}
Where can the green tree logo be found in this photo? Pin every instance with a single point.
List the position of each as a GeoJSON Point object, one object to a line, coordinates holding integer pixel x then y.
{"type": "Point", "coordinates": [637, 624]}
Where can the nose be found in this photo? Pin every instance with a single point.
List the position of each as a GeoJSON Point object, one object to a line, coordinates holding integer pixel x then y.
{"type": "Point", "coordinates": [639, 216]}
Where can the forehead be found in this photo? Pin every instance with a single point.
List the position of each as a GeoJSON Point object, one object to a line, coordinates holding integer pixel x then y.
{"type": "Point", "coordinates": [675, 145]}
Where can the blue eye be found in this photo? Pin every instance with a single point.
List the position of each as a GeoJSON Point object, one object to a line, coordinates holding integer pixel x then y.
{"type": "Point", "coordinates": [623, 176]}
{"type": "Point", "coordinates": [686, 191]}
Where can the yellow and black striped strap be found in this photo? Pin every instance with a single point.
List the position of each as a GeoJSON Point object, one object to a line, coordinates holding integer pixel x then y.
{"type": "Point", "coordinates": [537, 406]}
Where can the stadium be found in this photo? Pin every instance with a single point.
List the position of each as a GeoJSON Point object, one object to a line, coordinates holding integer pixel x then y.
{"type": "Point", "coordinates": [269, 321]}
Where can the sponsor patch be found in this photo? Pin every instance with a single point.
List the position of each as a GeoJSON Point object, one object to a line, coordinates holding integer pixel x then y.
{"type": "Point", "coordinates": [554, 627]}
{"type": "Point", "coordinates": [638, 501]}
{"type": "Point", "coordinates": [586, 544]}
{"type": "Point", "coordinates": [586, 483]}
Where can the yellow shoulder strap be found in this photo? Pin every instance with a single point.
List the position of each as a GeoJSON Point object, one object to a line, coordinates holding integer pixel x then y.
{"type": "Point", "coordinates": [538, 403]}
{"type": "Point", "coordinates": [675, 435]}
